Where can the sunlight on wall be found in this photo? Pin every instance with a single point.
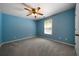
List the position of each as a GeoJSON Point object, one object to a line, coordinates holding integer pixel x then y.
{"type": "Point", "coordinates": [48, 26]}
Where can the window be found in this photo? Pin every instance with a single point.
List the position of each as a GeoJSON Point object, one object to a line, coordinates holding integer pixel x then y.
{"type": "Point", "coordinates": [48, 26]}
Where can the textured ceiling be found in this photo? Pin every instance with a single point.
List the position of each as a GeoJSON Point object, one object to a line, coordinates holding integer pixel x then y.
{"type": "Point", "coordinates": [48, 9]}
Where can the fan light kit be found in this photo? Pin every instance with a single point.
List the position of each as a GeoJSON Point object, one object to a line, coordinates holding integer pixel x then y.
{"type": "Point", "coordinates": [32, 11]}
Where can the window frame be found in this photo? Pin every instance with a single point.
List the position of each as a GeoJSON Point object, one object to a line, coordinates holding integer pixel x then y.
{"type": "Point", "coordinates": [51, 25]}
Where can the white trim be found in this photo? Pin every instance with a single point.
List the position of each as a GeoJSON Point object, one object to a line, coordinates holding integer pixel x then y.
{"type": "Point", "coordinates": [33, 37]}
{"type": "Point", "coordinates": [16, 40]}
{"type": "Point", "coordinates": [58, 41]}
{"type": "Point", "coordinates": [64, 43]}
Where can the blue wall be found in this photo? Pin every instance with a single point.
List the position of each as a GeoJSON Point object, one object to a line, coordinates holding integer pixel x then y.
{"type": "Point", "coordinates": [0, 28]}
{"type": "Point", "coordinates": [12, 27]}
{"type": "Point", "coordinates": [40, 27]}
{"type": "Point", "coordinates": [63, 27]}
{"type": "Point", "coordinates": [15, 27]}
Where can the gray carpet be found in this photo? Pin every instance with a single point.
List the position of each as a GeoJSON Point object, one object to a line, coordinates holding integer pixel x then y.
{"type": "Point", "coordinates": [36, 47]}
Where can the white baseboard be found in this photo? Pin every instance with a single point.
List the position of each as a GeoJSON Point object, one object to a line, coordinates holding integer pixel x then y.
{"type": "Point", "coordinates": [17, 40]}
{"type": "Point", "coordinates": [58, 41]}
{"type": "Point", "coordinates": [64, 43]}
{"type": "Point", "coordinates": [33, 37]}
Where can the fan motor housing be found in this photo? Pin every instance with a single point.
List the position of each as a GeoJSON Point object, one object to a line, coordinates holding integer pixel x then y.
{"type": "Point", "coordinates": [34, 10]}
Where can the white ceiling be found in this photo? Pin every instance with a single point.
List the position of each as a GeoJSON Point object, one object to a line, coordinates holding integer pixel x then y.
{"type": "Point", "coordinates": [48, 9]}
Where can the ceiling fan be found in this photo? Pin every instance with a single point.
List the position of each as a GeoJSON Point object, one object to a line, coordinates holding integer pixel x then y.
{"type": "Point", "coordinates": [32, 11]}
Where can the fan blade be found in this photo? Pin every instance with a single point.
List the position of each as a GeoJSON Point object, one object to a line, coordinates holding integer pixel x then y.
{"type": "Point", "coordinates": [40, 13]}
{"type": "Point", "coordinates": [26, 5]}
{"type": "Point", "coordinates": [38, 8]}
{"type": "Point", "coordinates": [27, 9]}
{"type": "Point", "coordinates": [29, 14]}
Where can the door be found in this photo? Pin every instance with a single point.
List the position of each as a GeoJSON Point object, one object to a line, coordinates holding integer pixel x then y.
{"type": "Point", "coordinates": [77, 29]}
